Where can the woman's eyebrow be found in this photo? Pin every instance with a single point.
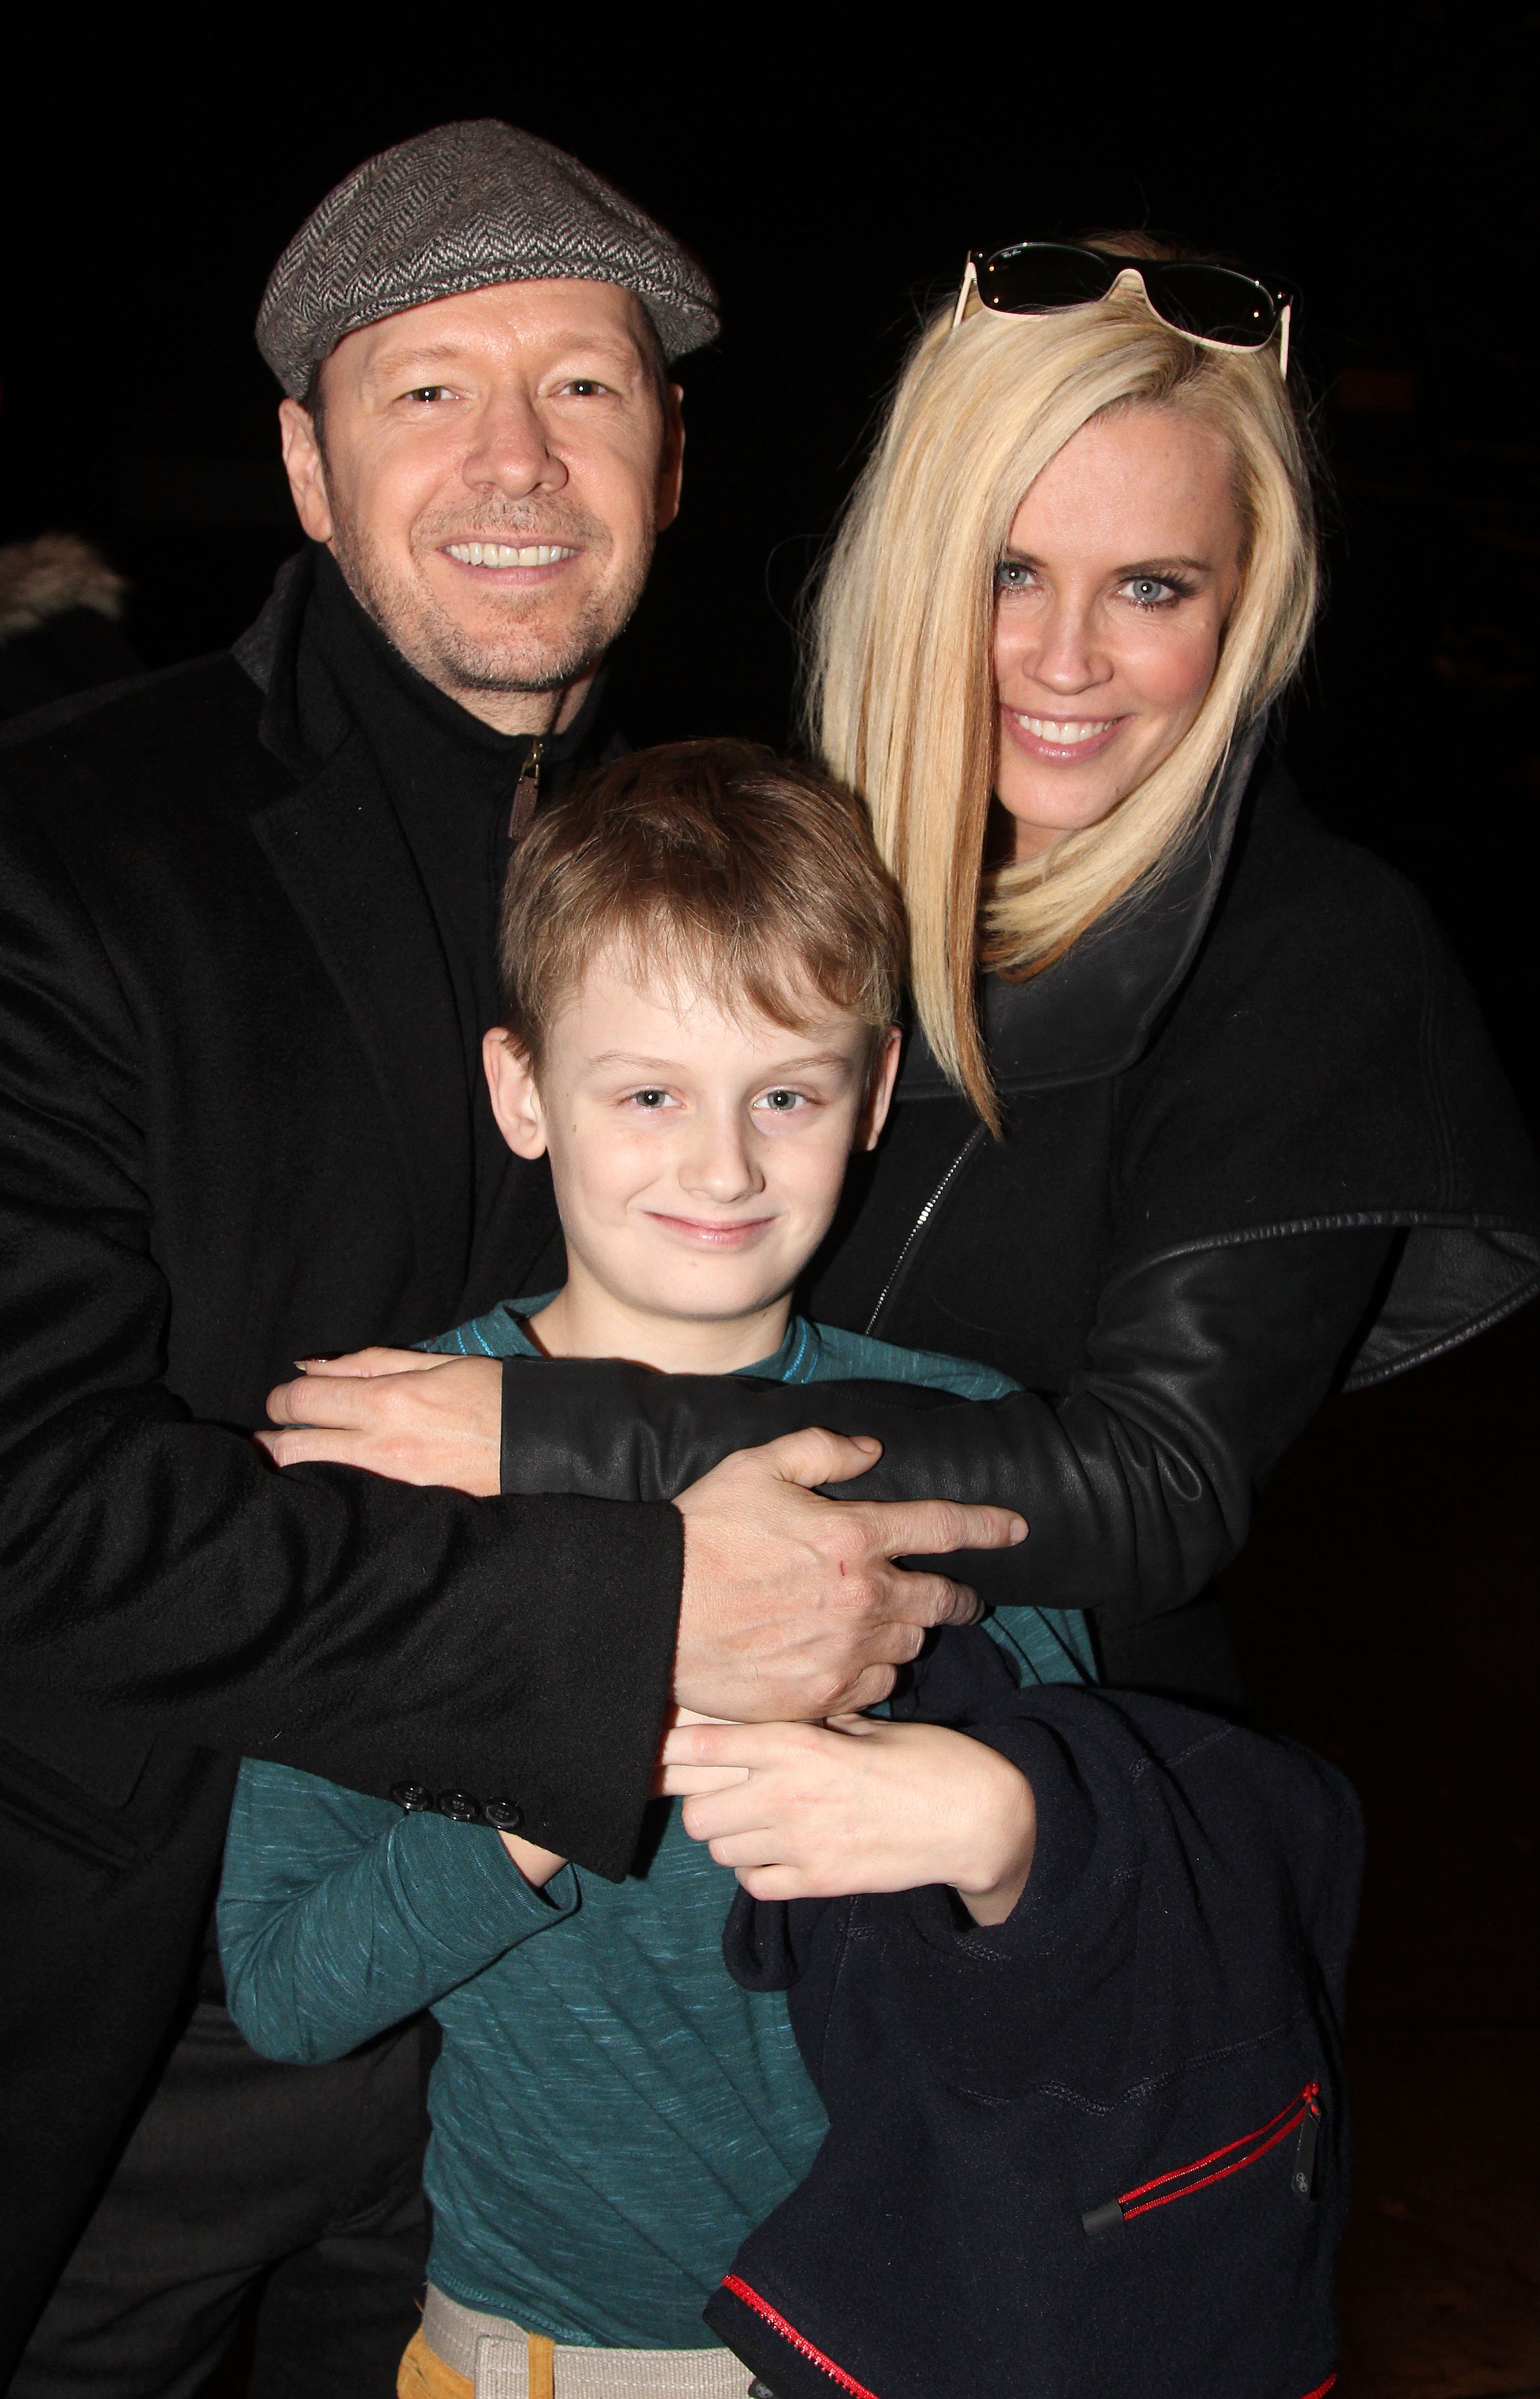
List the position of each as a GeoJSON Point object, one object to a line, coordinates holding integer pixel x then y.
{"type": "Point", "coordinates": [1172, 562]}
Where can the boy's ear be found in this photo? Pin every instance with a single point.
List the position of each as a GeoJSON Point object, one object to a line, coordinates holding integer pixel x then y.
{"type": "Point", "coordinates": [884, 1075]}
{"type": "Point", "coordinates": [515, 1098]}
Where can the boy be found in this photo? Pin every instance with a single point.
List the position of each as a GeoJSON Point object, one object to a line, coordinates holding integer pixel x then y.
{"type": "Point", "coordinates": [702, 962]}
{"type": "Point", "coordinates": [1094, 1909]}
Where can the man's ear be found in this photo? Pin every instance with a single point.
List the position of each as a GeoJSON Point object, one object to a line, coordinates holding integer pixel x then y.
{"type": "Point", "coordinates": [880, 1097]}
{"type": "Point", "coordinates": [515, 1096]}
{"type": "Point", "coordinates": [305, 468]}
{"type": "Point", "coordinates": [670, 473]}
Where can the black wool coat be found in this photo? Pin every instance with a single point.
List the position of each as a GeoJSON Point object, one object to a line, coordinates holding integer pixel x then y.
{"type": "Point", "coordinates": [1098, 2151]}
{"type": "Point", "coordinates": [1256, 1146]}
{"type": "Point", "coordinates": [235, 1131]}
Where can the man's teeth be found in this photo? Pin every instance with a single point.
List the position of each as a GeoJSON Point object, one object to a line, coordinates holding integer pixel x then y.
{"type": "Point", "coordinates": [1065, 731]}
{"type": "Point", "coordinates": [499, 553]}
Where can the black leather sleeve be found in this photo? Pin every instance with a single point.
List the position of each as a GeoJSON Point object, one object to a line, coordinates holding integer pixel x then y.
{"type": "Point", "coordinates": [1137, 1484]}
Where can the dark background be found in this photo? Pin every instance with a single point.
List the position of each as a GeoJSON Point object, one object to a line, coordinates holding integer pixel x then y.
{"type": "Point", "coordinates": [833, 173]}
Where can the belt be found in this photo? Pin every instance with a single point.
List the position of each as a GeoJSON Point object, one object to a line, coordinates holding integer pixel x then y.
{"type": "Point", "coordinates": [502, 2361]}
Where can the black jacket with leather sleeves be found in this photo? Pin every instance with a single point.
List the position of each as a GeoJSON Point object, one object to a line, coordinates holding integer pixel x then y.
{"type": "Point", "coordinates": [1256, 1148]}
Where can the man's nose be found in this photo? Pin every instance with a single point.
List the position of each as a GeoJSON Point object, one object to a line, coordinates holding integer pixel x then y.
{"type": "Point", "coordinates": [719, 1161]}
{"type": "Point", "coordinates": [510, 451]}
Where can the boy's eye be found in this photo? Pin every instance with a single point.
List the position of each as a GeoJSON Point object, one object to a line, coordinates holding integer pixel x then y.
{"type": "Point", "coordinates": [781, 1103]}
{"type": "Point", "coordinates": [650, 1098]}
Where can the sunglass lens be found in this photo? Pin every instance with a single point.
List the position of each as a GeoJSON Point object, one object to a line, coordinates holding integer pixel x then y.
{"type": "Point", "coordinates": [1035, 275]}
{"type": "Point", "coordinates": [1211, 302]}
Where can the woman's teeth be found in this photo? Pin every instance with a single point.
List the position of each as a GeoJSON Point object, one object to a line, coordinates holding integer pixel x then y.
{"type": "Point", "coordinates": [1065, 731]}
{"type": "Point", "coordinates": [498, 553]}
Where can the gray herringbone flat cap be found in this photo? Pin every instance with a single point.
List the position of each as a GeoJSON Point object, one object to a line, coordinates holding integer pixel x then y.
{"type": "Point", "coordinates": [452, 211]}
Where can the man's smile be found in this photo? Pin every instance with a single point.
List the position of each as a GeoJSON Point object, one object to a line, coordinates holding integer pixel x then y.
{"type": "Point", "coordinates": [501, 553]}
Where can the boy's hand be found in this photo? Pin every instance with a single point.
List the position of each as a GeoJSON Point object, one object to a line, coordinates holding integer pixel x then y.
{"type": "Point", "coordinates": [414, 1415]}
{"type": "Point", "coordinates": [859, 1805]}
{"type": "Point", "coordinates": [536, 1865]}
{"type": "Point", "coordinates": [792, 1606]}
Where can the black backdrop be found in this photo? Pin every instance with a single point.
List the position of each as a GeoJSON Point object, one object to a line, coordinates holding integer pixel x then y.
{"type": "Point", "coordinates": [832, 172]}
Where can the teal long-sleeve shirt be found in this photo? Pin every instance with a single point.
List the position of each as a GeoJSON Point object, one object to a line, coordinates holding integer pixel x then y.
{"type": "Point", "coordinates": [612, 2115]}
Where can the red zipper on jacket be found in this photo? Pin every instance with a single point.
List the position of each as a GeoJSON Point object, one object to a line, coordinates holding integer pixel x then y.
{"type": "Point", "coordinates": [750, 2297]}
{"type": "Point", "coordinates": [1303, 2110]}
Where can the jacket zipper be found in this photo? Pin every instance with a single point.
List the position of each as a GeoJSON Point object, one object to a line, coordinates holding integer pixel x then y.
{"type": "Point", "coordinates": [921, 1225]}
{"type": "Point", "coordinates": [526, 792]}
{"type": "Point", "coordinates": [803, 2347]}
{"type": "Point", "coordinates": [1304, 2110]}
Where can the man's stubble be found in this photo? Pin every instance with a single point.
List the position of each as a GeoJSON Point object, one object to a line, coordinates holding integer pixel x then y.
{"type": "Point", "coordinates": [525, 654]}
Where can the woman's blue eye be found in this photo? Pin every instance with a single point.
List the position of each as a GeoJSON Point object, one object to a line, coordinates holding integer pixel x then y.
{"type": "Point", "coordinates": [1011, 576]}
{"type": "Point", "coordinates": [1151, 590]}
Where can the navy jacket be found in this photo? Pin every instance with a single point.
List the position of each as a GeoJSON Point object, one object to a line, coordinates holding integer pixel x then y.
{"type": "Point", "coordinates": [1098, 2151]}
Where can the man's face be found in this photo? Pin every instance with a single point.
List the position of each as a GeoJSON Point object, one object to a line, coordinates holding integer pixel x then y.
{"type": "Point", "coordinates": [491, 473]}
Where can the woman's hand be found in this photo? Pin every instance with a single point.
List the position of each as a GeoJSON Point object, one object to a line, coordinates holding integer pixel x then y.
{"type": "Point", "coordinates": [406, 1413]}
{"type": "Point", "coordinates": [859, 1805]}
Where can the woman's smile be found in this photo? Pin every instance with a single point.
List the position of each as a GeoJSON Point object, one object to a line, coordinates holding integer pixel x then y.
{"type": "Point", "coordinates": [1061, 740]}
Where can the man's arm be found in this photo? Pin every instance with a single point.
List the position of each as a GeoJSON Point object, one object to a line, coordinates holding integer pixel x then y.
{"type": "Point", "coordinates": [156, 1565]}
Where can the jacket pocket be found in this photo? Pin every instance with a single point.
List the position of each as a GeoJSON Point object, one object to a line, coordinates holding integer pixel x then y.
{"type": "Point", "coordinates": [1300, 2114]}
{"type": "Point", "coordinates": [42, 1807]}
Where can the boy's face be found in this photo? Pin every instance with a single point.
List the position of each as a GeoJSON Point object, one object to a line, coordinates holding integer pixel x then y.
{"type": "Point", "coordinates": [698, 1159]}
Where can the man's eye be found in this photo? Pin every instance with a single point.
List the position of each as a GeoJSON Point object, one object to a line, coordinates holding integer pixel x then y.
{"type": "Point", "coordinates": [585, 387]}
{"type": "Point", "coordinates": [424, 392]}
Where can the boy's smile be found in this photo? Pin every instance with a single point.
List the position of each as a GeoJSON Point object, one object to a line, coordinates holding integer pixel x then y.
{"type": "Point", "coordinates": [698, 1159]}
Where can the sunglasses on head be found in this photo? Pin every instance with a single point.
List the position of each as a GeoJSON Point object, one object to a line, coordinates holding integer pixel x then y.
{"type": "Point", "coordinates": [1215, 306]}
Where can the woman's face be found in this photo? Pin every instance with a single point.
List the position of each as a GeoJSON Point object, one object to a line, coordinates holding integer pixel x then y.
{"type": "Point", "coordinates": [1121, 567]}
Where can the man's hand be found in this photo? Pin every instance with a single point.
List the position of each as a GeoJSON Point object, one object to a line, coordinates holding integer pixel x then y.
{"type": "Point", "coordinates": [859, 1805]}
{"type": "Point", "coordinates": [417, 1418]}
{"type": "Point", "coordinates": [792, 1606]}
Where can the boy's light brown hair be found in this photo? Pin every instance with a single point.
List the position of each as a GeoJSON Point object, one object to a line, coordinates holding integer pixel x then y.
{"type": "Point", "coordinates": [710, 866]}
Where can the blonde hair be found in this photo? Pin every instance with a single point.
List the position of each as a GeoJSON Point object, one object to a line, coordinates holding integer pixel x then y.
{"type": "Point", "coordinates": [902, 688]}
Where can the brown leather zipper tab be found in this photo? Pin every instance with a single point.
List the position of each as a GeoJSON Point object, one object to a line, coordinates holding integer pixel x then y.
{"type": "Point", "coordinates": [526, 792]}
{"type": "Point", "coordinates": [1101, 2219]}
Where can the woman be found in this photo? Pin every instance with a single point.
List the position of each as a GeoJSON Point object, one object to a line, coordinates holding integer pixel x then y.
{"type": "Point", "coordinates": [1199, 1120]}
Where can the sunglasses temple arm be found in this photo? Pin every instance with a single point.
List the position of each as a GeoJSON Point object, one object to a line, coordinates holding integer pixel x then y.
{"type": "Point", "coordinates": [970, 285]}
{"type": "Point", "coordinates": [1285, 314]}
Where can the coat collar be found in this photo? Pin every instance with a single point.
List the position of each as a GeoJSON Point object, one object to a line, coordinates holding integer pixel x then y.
{"type": "Point", "coordinates": [1094, 1013]}
{"type": "Point", "coordinates": [337, 848]}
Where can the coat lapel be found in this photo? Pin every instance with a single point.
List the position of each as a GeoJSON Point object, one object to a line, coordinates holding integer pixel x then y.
{"type": "Point", "coordinates": [339, 853]}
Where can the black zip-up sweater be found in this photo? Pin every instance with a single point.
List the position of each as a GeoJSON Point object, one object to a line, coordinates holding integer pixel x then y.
{"type": "Point", "coordinates": [1098, 2151]}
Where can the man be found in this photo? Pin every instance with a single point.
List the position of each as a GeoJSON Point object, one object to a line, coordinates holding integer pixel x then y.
{"type": "Point", "coordinates": [248, 917]}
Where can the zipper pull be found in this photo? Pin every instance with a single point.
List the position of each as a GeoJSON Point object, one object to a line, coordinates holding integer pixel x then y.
{"type": "Point", "coordinates": [1302, 2182]}
{"type": "Point", "coordinates": [526, 792]}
